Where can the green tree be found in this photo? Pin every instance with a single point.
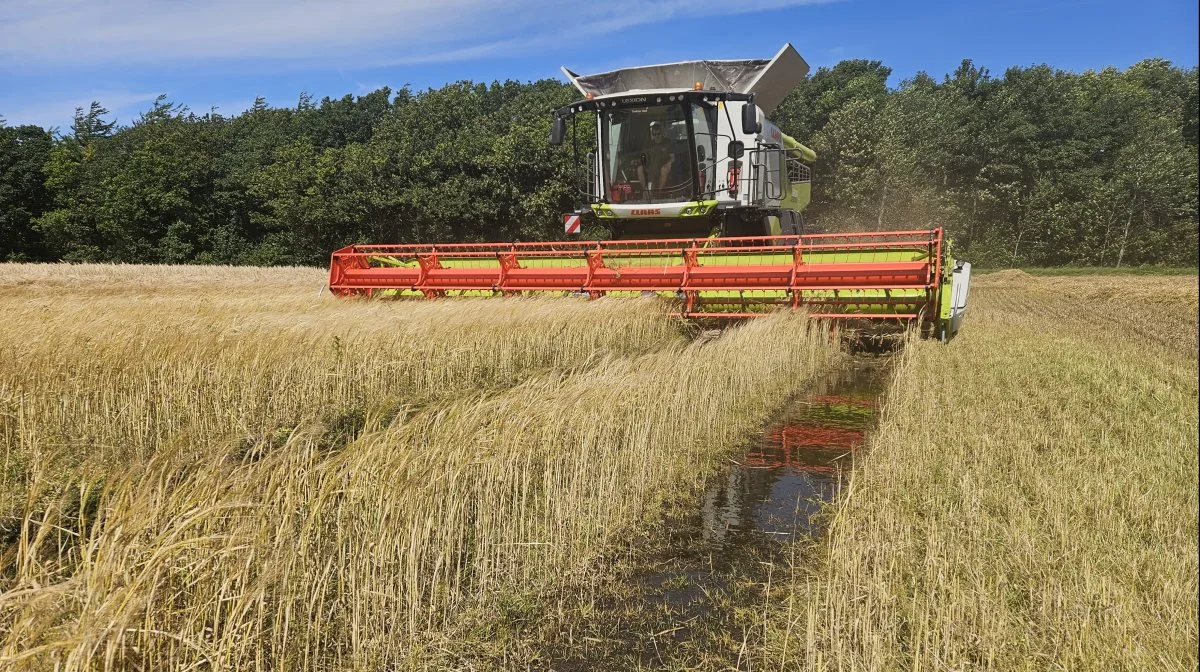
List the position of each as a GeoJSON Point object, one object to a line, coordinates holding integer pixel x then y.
{"type": "Point", "coordinates": [24, 152]}
{"type": "Point", "coordinates": [1039, 166]}
{"type": "Point", "coordinates": [70, 228]}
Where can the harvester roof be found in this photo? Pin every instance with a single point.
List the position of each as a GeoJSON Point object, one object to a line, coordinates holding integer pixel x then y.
{"type": "Point", "coordinates": [769, 80]}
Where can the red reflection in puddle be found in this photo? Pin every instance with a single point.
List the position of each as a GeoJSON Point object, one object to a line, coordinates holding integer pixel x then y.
{"type": "Point", "coordinates": [838, 400]}
{"type": "Point", "coordinates": [794, 446]}
{"type": "Point", "coordinates": [790, 437]}
{"type": "Point", "coordinates": [799, 461]}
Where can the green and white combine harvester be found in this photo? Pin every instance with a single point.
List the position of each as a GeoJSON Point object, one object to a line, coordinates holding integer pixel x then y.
{"type": "Point", "coordinates": [703, 199]}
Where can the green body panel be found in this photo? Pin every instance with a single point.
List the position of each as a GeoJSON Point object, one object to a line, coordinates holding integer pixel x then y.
{"type": "Point", "coordinates": [687, 209]}
{"type": "Point", "coordinates": [947, 281]}
{"type": "Point", "coordinates": [798, 194]}
{"type": "Point", "coordinates": [865, 302]}
{"type": "Point", "coordinates": [806, 155]}
{"type": "Point", "coordinates": [797, 197]}
{"type": "Point", "coordinates": [944, 309]}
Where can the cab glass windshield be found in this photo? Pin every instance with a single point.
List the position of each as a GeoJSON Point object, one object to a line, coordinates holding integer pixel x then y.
{"type": "Point", "coordinates": [647, 155]}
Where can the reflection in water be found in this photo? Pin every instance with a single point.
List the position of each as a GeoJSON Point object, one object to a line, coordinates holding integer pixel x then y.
{"type": "Point", "coordinates": [798, 463]}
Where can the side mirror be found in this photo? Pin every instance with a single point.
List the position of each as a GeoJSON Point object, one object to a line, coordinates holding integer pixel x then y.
{"type": "Point", "coordinates": [750, 123]}
{"type": "Point", "coordinates": [700, 154]}
{"type": "Point", "coordinates": [736, 149]}
{"type": "Point", "coordinates": [558, 131]}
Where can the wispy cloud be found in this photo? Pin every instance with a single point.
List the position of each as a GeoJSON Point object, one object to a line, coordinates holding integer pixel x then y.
{"type": "Point", "coordinates": [56, 55]}
{"type": "Point", "coordinates": [350, 33]}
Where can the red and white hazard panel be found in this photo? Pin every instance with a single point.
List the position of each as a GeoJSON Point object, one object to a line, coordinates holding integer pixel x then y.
{"type": "Point", "coordinates": [571, 223]}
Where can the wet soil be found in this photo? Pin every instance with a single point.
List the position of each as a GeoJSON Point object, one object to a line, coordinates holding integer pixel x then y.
{"type": "Point", "coordinates": [692, 597]}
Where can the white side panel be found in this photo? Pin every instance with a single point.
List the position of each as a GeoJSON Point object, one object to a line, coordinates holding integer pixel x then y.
{"type": "Point", "coordinates": [960, 285]}
{"type": "Point", "coordinates": [958, 291]}
{"type": "Point", "coordinates": [729, 122]}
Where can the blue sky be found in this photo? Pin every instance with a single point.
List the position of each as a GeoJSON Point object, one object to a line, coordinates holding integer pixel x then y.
{"type": "Point", "coordinates": [56, 55]}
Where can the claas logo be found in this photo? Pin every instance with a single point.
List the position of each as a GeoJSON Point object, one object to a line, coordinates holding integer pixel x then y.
{"type": "Point", "coordinates": [647, 211]}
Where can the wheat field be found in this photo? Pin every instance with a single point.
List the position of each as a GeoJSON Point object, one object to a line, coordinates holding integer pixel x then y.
{"type": "Point", "coordinates": [219, 468]}
{"type": "Point", "coordinates": [104, 365]}
{"type": "Point", "coordinates": [223, 469]}
{"type": "Point", "coordinates": [1029, 500]}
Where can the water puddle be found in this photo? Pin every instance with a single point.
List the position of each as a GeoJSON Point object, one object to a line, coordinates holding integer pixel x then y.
{"type": "Point", "coordinates": [685, 593]}
{"type": "Point", "coordinates": [798, 463]}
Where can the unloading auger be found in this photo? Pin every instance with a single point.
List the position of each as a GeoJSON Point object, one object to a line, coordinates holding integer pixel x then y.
{"type": "Point", "coordinates": [699, 208]}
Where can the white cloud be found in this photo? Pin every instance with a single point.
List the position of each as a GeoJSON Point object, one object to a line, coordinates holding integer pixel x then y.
{"type": "Point", "coordinates": [349, 33]}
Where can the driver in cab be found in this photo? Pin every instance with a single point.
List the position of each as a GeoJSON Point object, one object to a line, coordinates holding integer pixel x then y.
{"type": "Point", "coordinates": [660, 161]}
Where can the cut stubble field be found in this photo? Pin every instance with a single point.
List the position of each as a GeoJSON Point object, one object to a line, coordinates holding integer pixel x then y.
{"type": "Point", "coordinates": [220, 468]}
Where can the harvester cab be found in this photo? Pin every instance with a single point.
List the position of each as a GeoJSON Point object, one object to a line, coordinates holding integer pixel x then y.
{"type": "Point", "coordinates": [685, 149]}
{"type": "Point", "coordinates": [704, 198]}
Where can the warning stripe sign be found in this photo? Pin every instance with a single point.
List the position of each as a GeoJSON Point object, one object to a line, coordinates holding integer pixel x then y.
{"type": "Point", "coordinates": [571, 223]}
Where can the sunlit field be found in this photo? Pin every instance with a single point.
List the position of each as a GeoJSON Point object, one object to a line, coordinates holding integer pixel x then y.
{"type": "Point", "coordinates": [215, 468]}
{"type": "Point", "coordinates": [1029, 500]}
{"type": "Point", "coordinates": [218, 468]}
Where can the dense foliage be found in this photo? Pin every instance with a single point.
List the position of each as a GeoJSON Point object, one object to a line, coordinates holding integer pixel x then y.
{"type": "Point", "coordinates": [1039, 167]}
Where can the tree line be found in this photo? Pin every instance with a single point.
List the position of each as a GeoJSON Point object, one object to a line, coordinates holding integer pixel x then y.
{"type": "Point", "coordinates": [1037, 167]}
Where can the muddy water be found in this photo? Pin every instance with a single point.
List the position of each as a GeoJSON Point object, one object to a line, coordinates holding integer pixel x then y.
{"type": "Point", "coordinates": [684, 594]}
{"type": "Point", "coordinates": [797, 465]}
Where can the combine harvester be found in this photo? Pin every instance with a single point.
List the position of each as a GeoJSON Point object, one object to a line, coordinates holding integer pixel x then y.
{"type": "Point", "coordinates": [699, 207]}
